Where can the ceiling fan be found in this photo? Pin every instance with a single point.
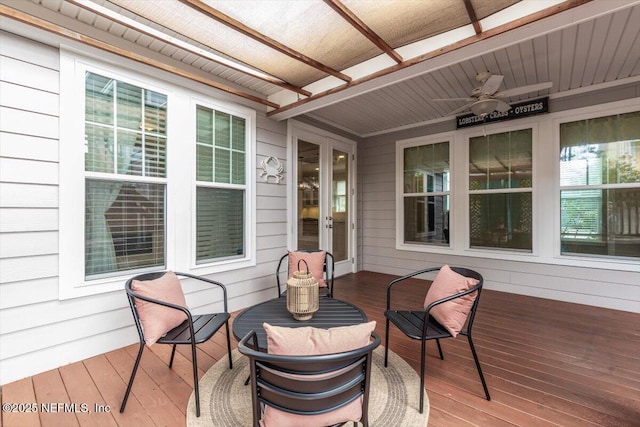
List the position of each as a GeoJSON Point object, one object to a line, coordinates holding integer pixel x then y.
{"type": "Point", "coordinates": [486, 98]}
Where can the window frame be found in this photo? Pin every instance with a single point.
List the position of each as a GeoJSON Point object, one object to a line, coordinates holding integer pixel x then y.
{"type": "Point", "coordinates": [249, 188]}
{"type": "Point", "coordinates": [546, 191]}
{"type": "Point", "coordinates": [587, 113]}
{"type": "Point", "coordinates": [401, 145]}
{"type": "Point", "coordinates": [180, 187]}
{"type": "Point", "coordinates": [508, 127]}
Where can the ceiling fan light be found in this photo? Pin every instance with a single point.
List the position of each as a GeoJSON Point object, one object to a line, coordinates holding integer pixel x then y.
{"type": "Point", "coordinates": [484, 107]}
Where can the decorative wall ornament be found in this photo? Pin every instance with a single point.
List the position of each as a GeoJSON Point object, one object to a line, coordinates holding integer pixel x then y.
{"type": "Point", "coordinates": [271, 166]}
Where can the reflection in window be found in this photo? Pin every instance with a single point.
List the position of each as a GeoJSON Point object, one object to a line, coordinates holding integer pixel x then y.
{"type": "Point", "coordinates": [426, 194]}
{"type": "Point", "coordinates": [125, 132]}
{"type": "Point", "coordinates": [500, 184]}
{"type": "Point", "coordinates": [600, 186]}
{"type": "Point", "coordinates": [340, 196]}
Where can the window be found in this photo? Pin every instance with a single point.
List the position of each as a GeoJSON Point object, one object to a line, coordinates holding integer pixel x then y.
{"type": "Point", "coordinates": [500, 190]}
{"type": "Point", "coordinates": [600, 186]}
{"type": "Point", "coordinates": [426, 193]}
{"type": "Point", "coordinates": [125, 171]}
{"type": "Point", "coordinates": [152, 176]}
{"type": "Point", "coordinates": [220, 181]}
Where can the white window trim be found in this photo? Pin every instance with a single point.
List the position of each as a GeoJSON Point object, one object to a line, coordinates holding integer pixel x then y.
{"type": "Point", "coordinates": [180, 193]}
{"type": "Point", "coordinates": [250, 178]}
{"type": "Point", "coordinates": [546, 202]}
{"type": "Point", "coordinates": [585, 113]}
{"type": "Point", "coordinates": [400, 195]}
{"type": "Point", "coordinates": [505, 127]}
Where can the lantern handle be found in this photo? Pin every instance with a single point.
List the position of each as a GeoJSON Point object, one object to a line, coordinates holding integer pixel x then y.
{"type": "Point", "coordinates": [305, 263]}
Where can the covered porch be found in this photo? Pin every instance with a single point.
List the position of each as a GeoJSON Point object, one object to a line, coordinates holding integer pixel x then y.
{"type": "Point", "coordinates": [546, 363]}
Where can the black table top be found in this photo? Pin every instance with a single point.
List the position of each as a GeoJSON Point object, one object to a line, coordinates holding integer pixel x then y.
{"type": "Point", "coordinates": [331, 313]}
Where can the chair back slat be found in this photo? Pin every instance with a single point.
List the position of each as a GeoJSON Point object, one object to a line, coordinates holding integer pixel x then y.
{"type": "Point", "coordinates": [309, 385]}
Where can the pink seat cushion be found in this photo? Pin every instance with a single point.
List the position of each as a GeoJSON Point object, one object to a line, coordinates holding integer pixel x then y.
{"type": "Point", "coordinates": [157, 319]}
{"type": "Point", "coordinates": [451, 314]}
{"type": "Point", "coordinates": [306, 341]}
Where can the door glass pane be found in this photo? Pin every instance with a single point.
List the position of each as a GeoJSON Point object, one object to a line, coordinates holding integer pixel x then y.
{"type": "Point", "coordinates": [340, 206]}
{"type": "Point", "coordinates": [308, 195]}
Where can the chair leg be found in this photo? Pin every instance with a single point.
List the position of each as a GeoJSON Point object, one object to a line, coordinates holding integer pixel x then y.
{"type": "Point", "coordinates": [229, 345]}
{"type": "Point", "coordinates": [133, 375]}
{"type": "Point", "coordinates": [440, 349]}
{"type": "Point", "coordinates": [173, 353]}
{"type": "Point", "coordinates": [386, 343]}
{"type": "Point", "coordinates": [196, 389]}
{"type": "Point", "coordinates": [475, 358]}
{"type": "Point", "coordinates": [423, 352]}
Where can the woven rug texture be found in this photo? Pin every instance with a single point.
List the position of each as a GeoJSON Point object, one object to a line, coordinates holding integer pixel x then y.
{"type": "Point", "coordinates": [393, 401]}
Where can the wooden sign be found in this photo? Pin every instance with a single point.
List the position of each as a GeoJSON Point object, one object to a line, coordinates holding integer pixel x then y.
{"type": "Point", "coordinates": [522, 109]}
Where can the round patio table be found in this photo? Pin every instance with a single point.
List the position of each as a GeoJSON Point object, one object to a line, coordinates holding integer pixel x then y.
{"type": "Point", "coordinates": [331, 313]}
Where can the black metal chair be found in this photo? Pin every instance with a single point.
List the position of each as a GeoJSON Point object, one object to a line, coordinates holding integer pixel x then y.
{"type": "Point", "coordinates": [196, 329]}
{"type": "Point", "coordinates": [420, 325]}
{"type": "Point", "coordinates": [327, 268]}
{"type": "Point", "coordinates": [308, 385]}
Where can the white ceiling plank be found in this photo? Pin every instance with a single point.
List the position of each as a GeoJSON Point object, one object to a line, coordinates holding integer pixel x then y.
{"type": "Point", "coordinates": [528, 58]}
{"type": "Point", "coordinates": [600, 30]}
{"type": "Point", "coordinates": [628, 47]}
{"type": "Point", "coordinates": [541, 59]}
{"type": "Point", "coordinates": [607, 56]}
{"type": "Point", "coordinates": [583, 46]}
{"type": "Point", "coordinates": [516, 66]}
{"type": "Point", "coordinates": [568, 50]}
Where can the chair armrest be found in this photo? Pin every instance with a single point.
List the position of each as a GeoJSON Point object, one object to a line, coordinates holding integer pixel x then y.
{"type": "Point", "coordinates": [407, 276]}
{"type": "Point", "coordinates": [452, 297]}
{"type": "Point", "coordinates": [185, 310]}
{"type": "Point", "coordinates": [245, 348]}
{"type": "Point", "coordinates": [210, 281]}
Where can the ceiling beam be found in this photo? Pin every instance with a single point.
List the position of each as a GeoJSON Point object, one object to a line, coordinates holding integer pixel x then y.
{"type": "Point", "coordinates": [472, 16]}
{"type": "Point", "coordinates": [267, 41]}
{"type": "Point", "coordinates": [158, 35]}
{"type": "Point", "coordinates": [359, 25]}
{"type": "Point", "coordinates": [293, 109]}
{"type": "Point", "coordinates": [17, 15]}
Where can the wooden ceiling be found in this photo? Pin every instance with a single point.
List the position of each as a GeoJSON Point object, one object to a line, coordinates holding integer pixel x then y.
{"type": "Point", "coordinates": [363, 66]}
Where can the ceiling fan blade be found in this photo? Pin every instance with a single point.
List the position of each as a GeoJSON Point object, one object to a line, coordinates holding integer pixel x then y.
{"type": "Point", "coordinates": [461, 109]}
{"type": "Point", "coordinates": [502, 106]}
{"type": "Point", "coordinates": [492, 85]}
{"type": "Point", "coordinates": [454, 99]}
{"type": "Point", "coordinates": [523, 89]}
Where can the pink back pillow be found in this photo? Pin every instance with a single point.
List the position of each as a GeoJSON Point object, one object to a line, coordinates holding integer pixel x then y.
{"type": "Point", "coordinates": [307, 340]}
{"type": "Point", "coordinates": [157, 319]}
{"type": "Point", "coordinates": [451, 314]}
{"type": "Point", "coordinates": [315, 261]}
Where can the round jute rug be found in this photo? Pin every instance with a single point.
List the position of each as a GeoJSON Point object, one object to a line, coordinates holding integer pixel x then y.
{"type": "Point", "coordinates": [393, 401]}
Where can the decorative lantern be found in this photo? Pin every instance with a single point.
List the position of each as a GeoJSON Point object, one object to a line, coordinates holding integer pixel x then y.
{"type": "Point", "coordinates": [302, 294]}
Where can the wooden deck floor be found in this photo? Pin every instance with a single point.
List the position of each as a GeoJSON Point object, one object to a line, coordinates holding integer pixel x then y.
{"type": "Point", "coordinates": [546, 363]}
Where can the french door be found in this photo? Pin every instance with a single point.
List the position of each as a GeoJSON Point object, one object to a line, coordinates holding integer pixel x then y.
{"type": "Point", "coordinates": [324, 197]}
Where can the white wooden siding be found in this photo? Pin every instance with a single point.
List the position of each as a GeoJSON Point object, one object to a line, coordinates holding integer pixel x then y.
{"type": "Point", "coordinates": [599, 287]}
{"type": "Point", "coordinates": [37, 331]}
